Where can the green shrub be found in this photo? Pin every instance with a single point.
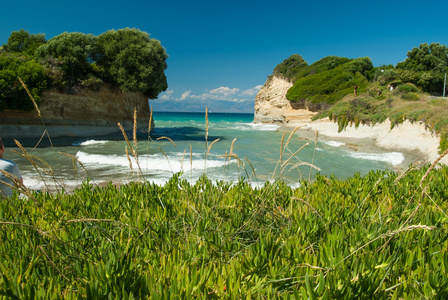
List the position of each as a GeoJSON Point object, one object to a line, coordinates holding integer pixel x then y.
{"type": "Point", "coordinates": [12, 93]}
{"type": "Point", "coordinates": [407, 88]}
{"type": "Point", "coordinates": [410, 96]}
{"type": "Point", "coordinates": [291, 66]}
{"type": "Point", "coordinates": [328, 86]}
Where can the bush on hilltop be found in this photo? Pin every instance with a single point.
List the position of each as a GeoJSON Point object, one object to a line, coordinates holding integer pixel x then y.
{"type": "Point", "coordinates": [329, 80]}
{"type": "Point", "coordinates": [125, 58]}
{"type": "Point", "coordinates": [12, 93]}
{"type": "Point", "coordinates": [291, 66]}
{"type": "Point", "coordinates": [133, 61]}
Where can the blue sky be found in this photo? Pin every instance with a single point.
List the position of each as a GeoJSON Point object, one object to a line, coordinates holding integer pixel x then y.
{"type": "Point", "coordinates": [221, 52]}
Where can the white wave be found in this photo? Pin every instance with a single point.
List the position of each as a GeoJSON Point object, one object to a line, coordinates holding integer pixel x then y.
{"type": "Point", "coordinates": [260, 127]}
{"type": "Point", "coordinates": [153, 162]}
{"type": "Point", "coordinates": [394, 158]}
{"type": "Point", "coordinates": [88, 143]}
{"type": "Point", "coordinates": [333, 143]}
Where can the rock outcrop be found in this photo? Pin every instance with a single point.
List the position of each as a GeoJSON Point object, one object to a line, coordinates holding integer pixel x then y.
{"type": "Point", "coordinates": [272, 106]}
{"type": "Point", "coordinates": [84, 114]}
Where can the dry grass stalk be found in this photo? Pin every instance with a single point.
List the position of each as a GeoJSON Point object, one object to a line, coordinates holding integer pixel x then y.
{"type": "Point", "coordinates": [31, 97]}
{"type": "Point", "coordinates": [388, 234]}
{"type": "Point", "coordinates": [251, 166]}
{"type": "Point", "coordinates": [231, 146]}
{"type": "Point", "coordinates": [182, 160]}
{"type": "Point", "coordinates": [230, 156]}
{"type": "Point", "coordinates": [75, 159]}
{"type": "Point", "coordinates": [294, 166]}
{"type": "Point", "coordinates": [292, 134]}
{"type": "Point", "coordinates": [294, 154]}
{"type": "Point", "coordinates": [41, 232]}
{"type": "Point", "coordinates": [54, 266]}
{"type": "Point", "coordinates": [314, 153]}
{"type": "Point", "coordinates": [206, 123]}
{"type": "Point", "coordinates": [134, 132]}
{"type": "Point", "coordinates": [410, 228]}
{"type": "Point", "coordinates": [167, 138]}
{"type": "Point", "coordinates": [21, 147]}
{"type": "Point", "coordinates": [191, 163]}
{"type": "Point", "coordinates": [150, 121]}
{"type": "Point", "coordinates": [47, 169]}
{"type": "Point", "coordinates": [129, 159]}
{"type": "Point", "coordinates": [126, 138]}
{"type": "Point", "coordinates": [282, 148]}
{"type": "Point", "coordinates": [91, 220]}
{"type": "Point", "coordinates": [412, 167]}
{"type": "Point", "coordinates": [432, 166]}
{"type": "Point", "coordinates": [210, 147]}
{"type": "Point", "coordinates": [17, 185]}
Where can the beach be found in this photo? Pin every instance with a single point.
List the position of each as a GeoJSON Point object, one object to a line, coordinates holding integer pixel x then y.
{"type": "Point", "coordinates": [412, 139]}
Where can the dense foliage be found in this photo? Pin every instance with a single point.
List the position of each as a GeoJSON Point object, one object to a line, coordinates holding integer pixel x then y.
{"type": "Point", "coordinates": [16, 61]}
{"type": "Point", "coordinates": [291, 66]}
{"type": "Point", "coordinates": [329, 80]}
{"type": "Point", "coordinates": [23, 42]}
{"type": "Point", "coordinates": [373, 237]}
{"type": "Point", "coordinates": [133, 61]}
{"type": "Point", "coordinates": [71, 53]}
{"type": "Point", "coordinates": [12, 93]}
{"type": "Point", "coordinates": [425, 66]}
{"type": "Point", "coordinates": [125, 58]}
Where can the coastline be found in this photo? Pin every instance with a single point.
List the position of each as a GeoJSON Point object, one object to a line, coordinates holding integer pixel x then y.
{"type": "Point", "coordinates": [413, 140]}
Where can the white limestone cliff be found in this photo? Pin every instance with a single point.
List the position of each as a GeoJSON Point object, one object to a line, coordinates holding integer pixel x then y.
{"type": "Point", "coordinates": [271, 105]}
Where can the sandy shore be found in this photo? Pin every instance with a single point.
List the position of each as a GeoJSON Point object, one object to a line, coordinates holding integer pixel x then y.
{"type": "Point", "coordinates": [413, 140]}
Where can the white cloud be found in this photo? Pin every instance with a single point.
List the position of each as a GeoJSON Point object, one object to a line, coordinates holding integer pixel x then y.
{"type": "Point", "coordinates": [221, 99]}
{"type": "Point", "coordinates": [225, 91]}
{"type": "Point", "coordinates": [252, 92]}
{"type": "Point", "coordinates": [166, 95]}
{"type": "Point", "coordinates": [185, 95]}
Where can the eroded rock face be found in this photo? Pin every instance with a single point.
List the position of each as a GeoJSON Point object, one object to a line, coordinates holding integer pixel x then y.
{"type": "Point", "coordinates": [84, 114]}
{"type": "Point", "coordinates": [272, 106]}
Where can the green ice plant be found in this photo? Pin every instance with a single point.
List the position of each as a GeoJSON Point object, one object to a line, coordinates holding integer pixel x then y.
{"type": "Point", "coordinates": [377, 236]}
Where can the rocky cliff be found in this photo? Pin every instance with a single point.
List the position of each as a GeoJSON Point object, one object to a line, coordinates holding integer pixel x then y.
{"type": "Point", "coordinates": [84, 114]}
{"type": "Point", "coordinates": [271, 105]}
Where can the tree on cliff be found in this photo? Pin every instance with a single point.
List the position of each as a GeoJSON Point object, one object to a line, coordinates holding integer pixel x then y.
{"type": "Point", "coordinates": [23, 42]}
{"type": "Point", "coordinates": [126, 58]}
{"type": "Point", "coordinates": [12, 93]}
{"type": "Point", "coordinates": [67, 57]}
{"type": "Point", "coordinates": [17, 60]}
{"type": "Point", "coordinates": [425, 66]}
{"type": "Point", "coordinates": [133, 61]}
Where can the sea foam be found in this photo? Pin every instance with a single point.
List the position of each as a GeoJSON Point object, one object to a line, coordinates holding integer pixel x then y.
{"type": "Point", "coordinates": [261, 127]}
{"type": "Point", "coordinates": [333, 143]}
{"type": "Point", "coordinates": [88, 143]}
{"type": "Point", "coordinates": [394, 158]}
{"type": "Point", "coordinates": [154, 162]}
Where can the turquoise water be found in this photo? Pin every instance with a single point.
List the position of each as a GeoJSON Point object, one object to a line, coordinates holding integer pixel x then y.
{"type": "Point", "coordinates": [256, 155]}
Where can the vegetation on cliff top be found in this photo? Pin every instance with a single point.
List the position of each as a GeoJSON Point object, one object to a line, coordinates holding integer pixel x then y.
{"type": "Point", "coordinates": [398, 93]}
{"type": "Point", "coordinates": [125, 58]}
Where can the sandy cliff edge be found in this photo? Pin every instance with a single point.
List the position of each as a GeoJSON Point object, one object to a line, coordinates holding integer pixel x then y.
{"type": "Point", "coordinates": [412, 139]}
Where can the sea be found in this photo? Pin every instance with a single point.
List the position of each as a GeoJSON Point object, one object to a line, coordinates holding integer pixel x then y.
{"type": "Point", "coordinates": [224, 147]}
